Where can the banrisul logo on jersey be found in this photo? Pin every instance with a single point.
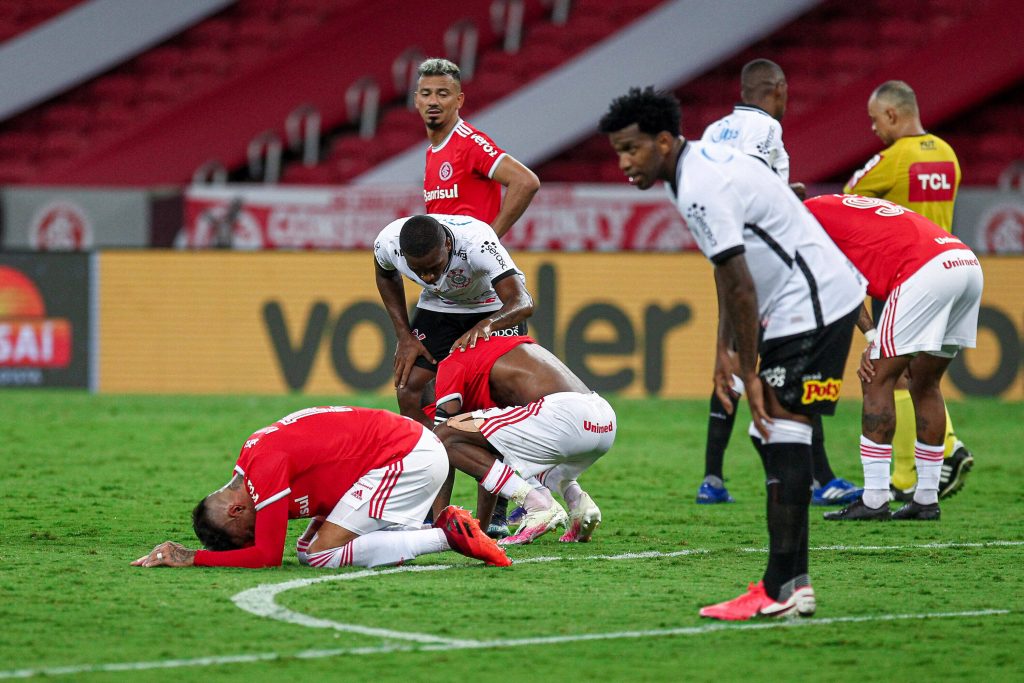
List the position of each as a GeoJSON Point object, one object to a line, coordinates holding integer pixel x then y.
{"type": "Point", "coordinates": [44, 320]}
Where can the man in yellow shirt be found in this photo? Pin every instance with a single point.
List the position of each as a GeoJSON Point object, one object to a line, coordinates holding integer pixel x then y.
{"type": "Point", "coordinates": [919, 171]}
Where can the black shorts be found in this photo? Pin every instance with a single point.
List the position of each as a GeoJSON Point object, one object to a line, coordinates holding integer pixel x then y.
{"type": "Point", "coordinates": [438, 331]}
{"type": "Point", "coordinates": [806, 370]}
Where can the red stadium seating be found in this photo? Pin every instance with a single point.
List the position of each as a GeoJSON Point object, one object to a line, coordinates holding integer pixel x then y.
{"type": "Point", "coordinates": [18, 17]}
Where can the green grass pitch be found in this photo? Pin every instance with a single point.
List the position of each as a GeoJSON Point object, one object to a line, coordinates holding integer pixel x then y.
{"type": "Point", "coordinates": [89, 483]}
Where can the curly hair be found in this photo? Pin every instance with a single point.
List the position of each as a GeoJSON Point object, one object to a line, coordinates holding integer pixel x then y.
{"type": "Point", "coordinates": [652, 111]}
{"type": "Point", "coordinates": [212, 537]}
{"type": "Point", "coordinates": [420, 235]}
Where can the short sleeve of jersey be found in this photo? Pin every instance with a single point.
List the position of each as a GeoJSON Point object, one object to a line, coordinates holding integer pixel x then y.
{"type": "Point", "coordinates": [714, 217]}
{"type": "Point", "coordinates": [386, 244]}
{"type": "Point", "coordinates": [877, 177]}
{"type": "Point", "coordinates": [484, 156]}
{"type": "Point", "coordinates": [450, 382]}
{"type": "Point", "coordinates": [493, 259]}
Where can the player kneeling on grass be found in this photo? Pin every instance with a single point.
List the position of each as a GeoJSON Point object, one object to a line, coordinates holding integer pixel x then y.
{"type": "Point", "coordinates": [355, 471]}
{"type": "Point", "coordinates": [524, 416]}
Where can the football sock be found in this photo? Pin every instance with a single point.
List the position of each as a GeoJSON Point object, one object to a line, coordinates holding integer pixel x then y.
{"type": "Point", "coordinates": [788, 473]}
{"type": "Point", "coordinates": [714, 481]}
{"type": "Point", "coordinates": [904, 476]}
{"type": "Point", "coordinates": [571, 494]}
{"type": "Point", "coordinates": [719, 430]}
{"type": "Point", "coordinates": [502, 480]}
{"type": "Point", "coordinates": [929, 467]}
{"type": "Point", "coordinates": [951, 440]}
{"type": "Point", "coordinates": [875, 458]}
{"type": "Point", "coordinates": [381, 548]}
{"type": "Point", "coordinates": [823, 473]}
{"type": "Point", "coordinates": [500, 508]}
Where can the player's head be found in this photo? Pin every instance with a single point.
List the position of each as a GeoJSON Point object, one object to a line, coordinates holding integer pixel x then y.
{"type": "Point", "coordinates": [643, 129]}
{"type": "Point", "coordinates": [892, 108]}
{"type": "Point", "coordinates": [439, 93]}
{"type": "Point", "coordinates": [763, 84]}
{"type": "Point", "coordinates": [225, 519]}
{"type": "Point", "coordinates": [426, 246]}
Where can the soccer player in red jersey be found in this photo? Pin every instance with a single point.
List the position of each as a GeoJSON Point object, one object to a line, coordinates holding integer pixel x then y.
{"type": "Point", "coordinates": [354, 471]}
{"type": "Point", "coordinates": [931, 283]}
{"type": "Point", "coordinates": [465, 169]}
{"type": "Point", "coordinates": [510, 397]}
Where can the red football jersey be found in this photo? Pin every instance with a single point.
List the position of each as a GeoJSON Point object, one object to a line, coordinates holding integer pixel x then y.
{"type": "Point", "coordinates": [303, 464]}
{"type": "Point", "coordinates": [466, 375]}
{"type": "Point", "coordinates": [457, 180]}
{"type": "Point", "coordinates": [885, 241]}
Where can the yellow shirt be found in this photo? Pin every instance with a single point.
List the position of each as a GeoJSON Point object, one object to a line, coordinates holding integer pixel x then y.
{"type": "Point", "coordinates": [920, 172]}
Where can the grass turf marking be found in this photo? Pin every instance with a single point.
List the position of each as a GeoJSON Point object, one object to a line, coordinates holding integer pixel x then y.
{"type": "Point", "coordinates": [479, 645]}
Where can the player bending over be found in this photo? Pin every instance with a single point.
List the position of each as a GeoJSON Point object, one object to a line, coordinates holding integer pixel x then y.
{"type": "Point", "coordinates": [520, 414]}
{"type": "Point", "coordinates": [354, 471]}
{"type": "Point", "coordinates": [931, 283]}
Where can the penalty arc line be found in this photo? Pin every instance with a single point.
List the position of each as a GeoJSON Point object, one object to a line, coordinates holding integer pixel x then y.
{"type": "Point", "coordinates": [480, 645]}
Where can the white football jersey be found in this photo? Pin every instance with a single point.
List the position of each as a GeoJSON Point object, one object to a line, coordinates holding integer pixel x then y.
{"type": "Point", "coordinates": [477, 261]}
{"type": "Point", "coordinates": [753, 131]}
{"type": "Point", "coordinates": [734, 204]}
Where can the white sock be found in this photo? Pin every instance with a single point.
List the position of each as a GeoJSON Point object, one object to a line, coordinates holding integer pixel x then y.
{"type": "Point", "coordinates": [571, 494]}
{"type": "Point", "coordinates": [502, 480]}
{"type": "Point", "coordinates": [928, 460]}
{"type": "Point", "coordinates": [876, 459]}
{"type": "Point", "coordinates": [379, 549]}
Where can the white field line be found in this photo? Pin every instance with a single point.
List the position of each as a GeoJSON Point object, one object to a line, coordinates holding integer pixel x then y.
{"type": "Point", "coordinates": [261, 601]}
{"type": "Point", "coordinates": [486, 644]}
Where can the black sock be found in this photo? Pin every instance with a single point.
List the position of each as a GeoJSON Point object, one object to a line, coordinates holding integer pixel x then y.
{"type": "Point", "coordinates": [719, 430]}
{"type": "Point", "coordinates": [788, 472]}
{"type": "Point", "coordinates": [823, 473]}
{"type": "Point", "coordinates": [500, 508]}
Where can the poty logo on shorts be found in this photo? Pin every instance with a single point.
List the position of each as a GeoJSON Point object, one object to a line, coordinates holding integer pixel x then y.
{"type": "Point", "coordinates": [817, 390]}
{"type": "Point", "coordinates": [446, 171]}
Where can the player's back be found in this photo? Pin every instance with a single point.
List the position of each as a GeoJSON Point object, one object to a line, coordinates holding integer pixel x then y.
{"type": "Point", "coordinates": [885, 241]}
{"type": "Point", "coordinates": [731, 201]}
{"type": "Point", "coordinates": [753, 131]}
{"type": "Point", "coordinates": [920, 172]}
{"type": "Point", "coordinates": [323, 451]}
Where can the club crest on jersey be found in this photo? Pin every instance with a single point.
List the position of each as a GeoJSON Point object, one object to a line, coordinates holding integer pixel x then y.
{"type": "Point", "coordinates": [457, 278]}
{"type": "Point", "coordinates": [445, 172]}
{"type": "Point", "coordinates": [821, 390]}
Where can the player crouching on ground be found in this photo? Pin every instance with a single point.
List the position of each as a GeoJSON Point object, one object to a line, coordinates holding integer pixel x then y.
{"type": "Point", "coordinates": [355, 471]}
{"type": "Point", "coordinates": [524, 416]}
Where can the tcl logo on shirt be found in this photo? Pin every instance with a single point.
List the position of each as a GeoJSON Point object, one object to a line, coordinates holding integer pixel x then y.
{"type": "Point", "coordinates": [932, 181]}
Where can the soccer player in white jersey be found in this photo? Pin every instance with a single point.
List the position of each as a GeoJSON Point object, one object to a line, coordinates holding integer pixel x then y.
{"type": "Point", "coordinates": [471, 290]}
{"type": "Point", "coordinates": [775, 265]}
{"type": "Point", "coordinates": [754, 127]}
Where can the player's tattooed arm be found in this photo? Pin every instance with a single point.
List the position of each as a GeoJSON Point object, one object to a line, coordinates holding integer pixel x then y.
{"type": "Point", "coordinates": [521, 184]}
{"type": "Point", "coordinates": [516, 306]}
{"type": "Point", "coordinates": [738, 299]}
{"type": "Point", "coordinates": [167, 554]}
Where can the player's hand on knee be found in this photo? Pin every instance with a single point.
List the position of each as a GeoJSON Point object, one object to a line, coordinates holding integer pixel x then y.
{"type": "Point", "coordinates": [866, 371]}
{"type": "Point", "coordinates": [409, 349]}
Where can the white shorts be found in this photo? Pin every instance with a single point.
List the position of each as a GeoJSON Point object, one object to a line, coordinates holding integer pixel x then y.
{"type": "Point", "coordinates": [935, 310]}
{"type": "Point", "coordinates": [566, 428]}
{"type": "Point", "coordinates": [400, 493]}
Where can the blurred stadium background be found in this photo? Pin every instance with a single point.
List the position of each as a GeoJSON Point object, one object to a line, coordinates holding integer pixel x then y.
{"type": "Point", "coordinates": [190, 188]}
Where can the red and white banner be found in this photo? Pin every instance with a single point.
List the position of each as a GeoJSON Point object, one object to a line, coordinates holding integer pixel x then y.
{"type": "Point", "coordinates": [560, 218]}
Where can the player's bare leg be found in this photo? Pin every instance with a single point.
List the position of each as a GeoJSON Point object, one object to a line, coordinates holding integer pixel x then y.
{"type": "Point", "coordinates": [926, 374]}
{"type": "Point", "coordinates": [409, 395]}
{"type": "Point", "coordinates": [444, 495]}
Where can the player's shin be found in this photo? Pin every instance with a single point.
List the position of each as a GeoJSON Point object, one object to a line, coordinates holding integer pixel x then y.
{"type": "Point", "coordinates": [787, 457]}
{"type": "Point", "coordinates": [875, 459]}
{"type": "Point", "coordinates": [381, 548]}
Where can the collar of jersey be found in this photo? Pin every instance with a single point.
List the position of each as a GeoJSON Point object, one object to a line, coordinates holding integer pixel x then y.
{"type": "Point", "coordinates": [752, 107]}
{"type": "Point", "coordinates": [448, 137]}
{"type": "Point", "coordinates": [674, 185]}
